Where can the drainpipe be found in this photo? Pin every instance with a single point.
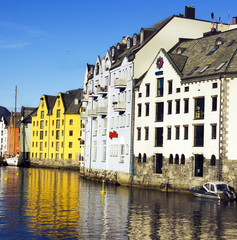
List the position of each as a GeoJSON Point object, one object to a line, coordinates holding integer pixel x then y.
{"type": "Point", "coordinates": [219, 147]}
{"type": "Point", "coordinates": [132, 131]}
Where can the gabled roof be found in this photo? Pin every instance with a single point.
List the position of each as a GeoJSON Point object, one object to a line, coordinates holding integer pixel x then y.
{"type": "Point", "coordinates": [50, 101]}
{"type": "Point", "coordinates": [207, 56]}
{"type": "Point", "coordinates": [30, 112]}
{"type": "Point", "coordinates": [4, 112]}
{"type": "Point", "coordinates": [72, 101]}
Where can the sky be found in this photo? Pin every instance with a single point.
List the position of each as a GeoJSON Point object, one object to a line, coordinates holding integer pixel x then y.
{"type": "Point", "coordinates": [46, 44]}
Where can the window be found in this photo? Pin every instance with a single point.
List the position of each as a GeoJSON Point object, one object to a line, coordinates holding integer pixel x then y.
{"type": "Point", "coordinates": [171, 159]}
{"type": "Point", "coordinates": [58, 103]}
{"type": "Point", "coordinates": [170, 87]}
{"type": "Point", "coordinates": [52, 122]}
{"type": "Point", "coordinates": [57, 146]}
{"type": "Point", "coordinates": [176, 160]}
{"type": "Point", "coordinates": [70, 133]}
{"type": "Point", "coordinates": [144, 158]}
{"type": "Point", "coordinates": [41, 135]}
{"type": "Point", "coordinates": [57, 134]}
{"type": "Point", "coordinates": [186, 89]}
{"type": "Point", "coordinates": [146, 133]}
{"type": "Point", "coordinates": [177, 90]}
{"type": "Point", "coordinates": [199, 136]}
{"type": "Point", "coordinates": [147, 109]}
{"type": "Point", "coordinates": [169, 133]}
{"type": "Point", "coordinates": [139, 94]}
{"type": "Point", "coordinates": [204, 69]}
{"type": "Point", "coordinates": [214, 103]}
{"type": "Point", "coordinates": [41, 124]}
{"type": "Point", "coordinates": [58, 113]}
{"type": "Point", "coordinates": [177, 130]}
{"type": "Point", "coordinates": [213, 160]}
{"type": "Point", "coordinates": [70, 145]}
{"type": "Point", "coordinates": [71, 122]}
{"type": "Point", "coordinates": [177, 106]}
{"type": "Point", "coordinates": [214, 85]}
{"type": "Point", "coordinates": [139, 111]}
{"type": "Point", "coordinates": [159, 112]}
{"type": "Point", "coordinates": [213, 50]}
{"type": "Point", "coordinates": [192, 71]}
{"type": "Point", "coordinates": [139, 159]}
{"type": "Point", "coordinates": [41, 146]}
{"type": "Point", "coordinates": [182, 159]}
{"type": "Point", "coordinates": [159, 137]}
{"type": "Point", "coordinates": [213, 131]}
{"type": "Point", "coordinates": [42, 114]}
{"type": "Point", "coordinates": [57, 156]}
{"type": "Point", "coordinates": [147, 90]}
{"type": "Point", "coordinates": [138, 133]}
{"type": "Point", "coordinates": [160, 87]}
{"type": "Point", "coordinates": [220, 66]}
{"type": "Point", "coordinates": [199, 108]}
{"type": "Point", "coordinates": [58, 124]}
{"type": "Point", "coordinates": [186, 105]}
{"type": "Point", "coordinates": [69, 156]}
{"type": "Point", "coordinates": [53, 133]}
{"type": "Point", "coordinates": [185, 132]}
{"type": "Point", "coordinates": [169, 107]}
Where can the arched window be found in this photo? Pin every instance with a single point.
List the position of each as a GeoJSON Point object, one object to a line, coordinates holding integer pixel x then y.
{"type": "Point", "coordinates": [139, 158]}
{"type": "Point", "coordinates": [182, 159]}
{"type": "Point", "coordinates": [176, 159]}
{"type": "Point", "coordinates": [171, 159]}
{"type": "Point", "coordinates": [144, 157]}
{"type": "Point", "coordinates": [213, 160]}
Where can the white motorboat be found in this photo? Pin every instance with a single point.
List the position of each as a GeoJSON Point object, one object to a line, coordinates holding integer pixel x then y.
{"type": "Point", "coordinates": [215, 190]}
{"type": "Point", "coordinates": [12, 161]}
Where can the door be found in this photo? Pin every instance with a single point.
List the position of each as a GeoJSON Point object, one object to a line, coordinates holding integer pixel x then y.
{"type": "Point", "coordinates": [198, 165]}
{"type": "Point", "coordinates": [159, 163]}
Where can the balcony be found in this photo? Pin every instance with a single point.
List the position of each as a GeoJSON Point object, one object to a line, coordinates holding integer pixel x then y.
{"type": "Point", "coordinates": [102, 110]}
{"type": "Point", "coordinates": [93, 95]}
{"type": "Point", "coordinates": [102, 90]}
{"type": "Point", "coordinates": [119, 106]}
{"type": "Point", "coordinates": [120, 83]}
{"type": "Point", "coordinates": [92, 112]}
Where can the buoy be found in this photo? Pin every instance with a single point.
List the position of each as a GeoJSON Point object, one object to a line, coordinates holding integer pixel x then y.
{"type": "Point", "coordinates": [103, 187]}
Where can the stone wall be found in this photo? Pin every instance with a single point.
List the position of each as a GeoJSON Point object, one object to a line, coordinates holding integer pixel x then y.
{"type": "Point", "coordinates": [52, 163]}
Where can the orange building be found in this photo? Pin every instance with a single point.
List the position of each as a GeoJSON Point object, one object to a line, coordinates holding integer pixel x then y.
{"type": "Point", "coordinates": [13, 135]}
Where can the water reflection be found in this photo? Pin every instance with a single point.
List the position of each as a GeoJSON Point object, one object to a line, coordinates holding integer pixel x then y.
{"type": "Point", "coordinates": [57, 204]}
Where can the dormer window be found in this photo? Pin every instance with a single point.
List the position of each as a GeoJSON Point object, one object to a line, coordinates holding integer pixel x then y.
{"type": "Point", "coordinates": [97, 69]}
{"type": "Point", "coordinates": [128, 43]}
{"type": "Point", "coordinates": [113, 52]}
{"type": "Point", "coordinates": [204, 69]}
{"type": "Point", "coordinates": [230, 43]}
{"type": "Point", "coordinates": [118, 46]}
{"type": "Point", "coordinates": [135, 40]}
{"type": "Point", "coordinates": [220, 41]}
{"type": "Point", "coordinates": [142, 36]}
{"type": "Point", "coordinates": [107, 64]}
{"type": "Point", "coordinates": [193, 70]}
{"type": "Point", "coordinates": [180, 50]}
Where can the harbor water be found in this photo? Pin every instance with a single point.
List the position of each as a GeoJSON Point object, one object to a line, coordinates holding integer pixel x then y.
{"type": "Point", "coordinates": [58, 204]}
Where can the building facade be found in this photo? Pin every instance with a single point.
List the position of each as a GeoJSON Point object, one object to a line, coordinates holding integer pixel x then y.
{"type": "Point", "coordinates": [55, 134]}
{"type": "Point", "coordinates": [187, 101]}
{"type": "Point", "coordinates": [3, 137]}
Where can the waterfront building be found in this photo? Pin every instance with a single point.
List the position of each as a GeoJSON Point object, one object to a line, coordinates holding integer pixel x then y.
{"type": "Point", "coordinates": [13, 134]}
{"type": "Point", "coordinates": [55, 134]}
{"type": "Point", "coordinates": [107, 136]}
{"type": "Point", "coordinates": [25, 132]}
{"type": "Point", "coordinates": [185, 115]}
{"type": "Point", "coordinates": [3, 137]}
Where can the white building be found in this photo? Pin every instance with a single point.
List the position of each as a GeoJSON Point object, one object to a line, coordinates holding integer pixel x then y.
{"type": "Point", "coordinates": [110, 147]}
{"type": "Point", "coordinates": [185, 129]}
{"type": "Point", "coordinates": [3, 136]}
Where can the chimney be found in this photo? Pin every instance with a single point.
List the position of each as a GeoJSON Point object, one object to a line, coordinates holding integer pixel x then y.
{"type": "Point", "coordinates": [189, 12]}
{"type": "Point", "coordinates": [234, 20]}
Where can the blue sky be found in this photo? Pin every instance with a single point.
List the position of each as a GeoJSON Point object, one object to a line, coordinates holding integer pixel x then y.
{"type": "Point", "coordinates": [45, 44]}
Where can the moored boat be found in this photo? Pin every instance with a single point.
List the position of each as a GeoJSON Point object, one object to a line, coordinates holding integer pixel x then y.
{"type": "Point", "coordinates": [215, 190]}
{"type": "Point", "coordinates": [12, 161]}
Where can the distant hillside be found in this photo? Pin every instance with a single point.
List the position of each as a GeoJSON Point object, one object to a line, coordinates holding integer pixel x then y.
{"type": "Point", "coordinates": [4, 112]}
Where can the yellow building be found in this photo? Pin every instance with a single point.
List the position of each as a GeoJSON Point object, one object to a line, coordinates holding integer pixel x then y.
{"type": "Point", "coordinates": [55, 134]}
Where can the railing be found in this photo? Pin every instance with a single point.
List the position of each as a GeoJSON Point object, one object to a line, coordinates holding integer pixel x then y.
{"type": "Point", "coordinates": [102, 110]}
{"type": "Point", "coordinates": [119, 106]}
{"type": "Point", "coordinates": [120, 83]}
{"type": "Point", "coordinates": [92, 112]}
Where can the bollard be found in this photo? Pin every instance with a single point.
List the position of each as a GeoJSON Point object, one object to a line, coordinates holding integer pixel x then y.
{"type": "Point", "coordinates": [103, 187]}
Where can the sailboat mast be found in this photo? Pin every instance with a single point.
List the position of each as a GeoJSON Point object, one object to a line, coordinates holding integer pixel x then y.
{"type": "Point", "coordinates": [14, 136]}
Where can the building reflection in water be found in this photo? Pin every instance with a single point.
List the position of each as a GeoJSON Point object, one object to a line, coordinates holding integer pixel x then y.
{"type": "Point", "coordinates": [53, 202]}
{"type": "Point", "coordinates": [49, 203]}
